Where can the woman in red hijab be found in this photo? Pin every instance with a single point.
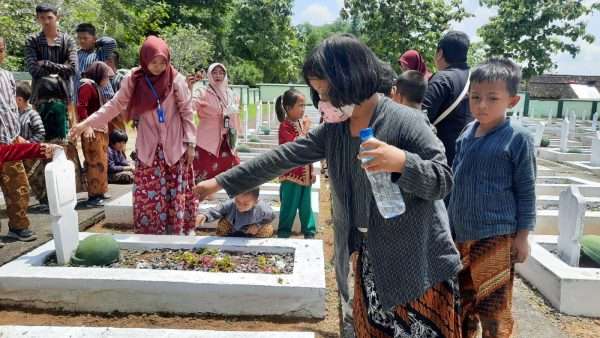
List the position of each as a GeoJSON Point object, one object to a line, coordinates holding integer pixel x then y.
{"type": "Point", "coordinates": [412, 60]}
{"type": "Point", "coordinates": [157, 97]}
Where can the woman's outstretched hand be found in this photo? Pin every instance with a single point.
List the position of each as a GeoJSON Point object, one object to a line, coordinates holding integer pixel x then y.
{"type": "Point", "coordinates": [76, 131]}
{"type": "Point", "coordinates": [206, 188]}
{"type": "Point", "coordinates": [383, 157]}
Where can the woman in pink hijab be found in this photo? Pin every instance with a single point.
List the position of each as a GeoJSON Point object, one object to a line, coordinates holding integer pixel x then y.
{"type": "Point", "coordinates": [157, 97]}
{"type": "Point", "coordinates": [412, 60]}
{"type": "Point", "coordinates": [218, 110]}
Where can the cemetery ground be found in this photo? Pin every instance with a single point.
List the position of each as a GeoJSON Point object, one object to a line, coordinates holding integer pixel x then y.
{"type": "Point", "coordinates": [535, 317]}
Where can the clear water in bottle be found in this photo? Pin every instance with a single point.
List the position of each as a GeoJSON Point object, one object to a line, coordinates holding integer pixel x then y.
{"type": "Point", "coordinates": [387, 194]}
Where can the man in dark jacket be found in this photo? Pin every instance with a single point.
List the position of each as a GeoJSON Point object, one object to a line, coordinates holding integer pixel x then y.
{"type": "Point", "coordinates": [446, 87]}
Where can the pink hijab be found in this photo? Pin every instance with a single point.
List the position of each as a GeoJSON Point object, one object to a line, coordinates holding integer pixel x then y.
{"type": "Point", "coordinates": [412, 60]}
{"type": "Point", "coordinates": [220, 89]}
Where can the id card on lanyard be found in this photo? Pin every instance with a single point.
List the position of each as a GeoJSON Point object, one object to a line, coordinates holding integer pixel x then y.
{"type": "Point", "coordinates": [159, 110]}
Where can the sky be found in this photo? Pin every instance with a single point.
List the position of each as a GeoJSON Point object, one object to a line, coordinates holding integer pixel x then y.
{"type": "Point", "coordinates": [587, 62]}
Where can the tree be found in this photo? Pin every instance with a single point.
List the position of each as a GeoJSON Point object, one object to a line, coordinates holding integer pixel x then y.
{"type": "Point", "coordinates": [190, 46]}
{"type": "Point", "coordinates": [262, 32]}
{"type": "Point", "coordinates": [391, 27]}
{"type": "Point", "coordinates": [310, 36]}
{"type": "Point", "coordinates": [532, 31]}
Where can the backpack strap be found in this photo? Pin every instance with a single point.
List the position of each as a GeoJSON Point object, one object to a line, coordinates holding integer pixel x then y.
{"type": "Point", "coordinates": [455, 103]}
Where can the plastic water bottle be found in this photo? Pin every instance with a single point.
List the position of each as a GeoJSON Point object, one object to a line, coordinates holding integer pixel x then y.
{"type": "Point", "coordinates": [387, 194]}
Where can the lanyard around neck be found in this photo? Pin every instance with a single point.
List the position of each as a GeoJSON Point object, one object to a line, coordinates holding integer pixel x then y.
{"type": "Point", "coordinates": [152, 89]}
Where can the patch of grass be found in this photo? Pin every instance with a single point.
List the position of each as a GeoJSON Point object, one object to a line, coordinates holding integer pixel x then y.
{"type": "Point", "coordinates": [575, 151]}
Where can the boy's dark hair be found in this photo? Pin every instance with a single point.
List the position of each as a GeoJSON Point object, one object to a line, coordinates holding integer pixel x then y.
{"type": "Point", "coordinates": [285, 102]}
{"type": "Point", "coordinates": [115, 57]}
{"type": "Point", "coordinates": [455, 47]}
{"type": "Point", "coordinates": [387, 75]}
{"type": "Point", "coordinates": [199, 68]}
{"type": "Point", "coordinates": [117, 136]}
{"type": "Point", "coordinates": [498, 69]}
{"type": "Point", "coordinates": [44, 8]}
{"type": "Point", "coordinates": [23, 90]}
{"type": "Point", "coordinates": [86, 28]}
{"type": "Point", "coordinates": [412, 85]}
{"type": "Point", "coordinates": [254, 192]}
{"type": "Point", "coordinates": [353, 71]}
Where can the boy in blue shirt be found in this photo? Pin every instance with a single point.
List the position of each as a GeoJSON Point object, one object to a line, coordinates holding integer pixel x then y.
{"type": "Point", "coordinates": [492, 205]}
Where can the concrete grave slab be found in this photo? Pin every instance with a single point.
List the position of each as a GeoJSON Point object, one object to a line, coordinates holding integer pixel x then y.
{"type": "Point", "coordinates": [557, 155]}
{"type": "Point", "coordinates": [571, 290]}
{"type": "Point", "coordinates": [25, 281]}
{"type": "Point", "coordinates": [554, 185]}
{"type": "Point", "coordinates": [111, 332]}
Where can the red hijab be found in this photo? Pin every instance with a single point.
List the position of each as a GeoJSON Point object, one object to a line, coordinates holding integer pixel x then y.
{"type": "Point", "coordinates": [142, 99]}
{"type": "Point", "coordinates": [412, 60]}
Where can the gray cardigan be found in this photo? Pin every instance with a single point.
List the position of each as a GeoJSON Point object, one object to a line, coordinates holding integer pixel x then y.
{"type": "Point", "coordinates": [410, 253]}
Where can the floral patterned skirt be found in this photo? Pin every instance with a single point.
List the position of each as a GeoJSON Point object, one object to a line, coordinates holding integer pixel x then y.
{"type": "Point", "coordinates": [207, 165]}
{"type": "Point", "coordinates": [162, 197]}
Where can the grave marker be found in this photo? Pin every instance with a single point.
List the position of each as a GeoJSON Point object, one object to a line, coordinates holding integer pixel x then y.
{"type": "Point", "coordinates": [572, 121]}
{"type": "Point", "coordinates": [564, 136]}
{"type": "Point", "coordinates": [595, 121]}
{"type": "Point", "coordinates": [570, 224]}
{"type": "Point", "coordinates": [595, 160]}
{"type": "Point", "coordinates": [539, 133]}
{"type": "Point", "coordinates": [62, 198]}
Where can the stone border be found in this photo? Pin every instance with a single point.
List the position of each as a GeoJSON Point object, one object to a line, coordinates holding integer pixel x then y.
{"type": "Point", "coordinates": [571, 290]}
{"type": "Point", "coordinates": [301, 294]}
{"type": "Point", "coordinates": [111, 332]}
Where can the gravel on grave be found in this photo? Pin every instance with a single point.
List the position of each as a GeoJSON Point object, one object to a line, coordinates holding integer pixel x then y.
{"type": "Point", "coordinates": [207, 260]}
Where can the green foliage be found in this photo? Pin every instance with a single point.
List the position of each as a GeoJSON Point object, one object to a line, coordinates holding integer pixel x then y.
{"type": "Point", "coordinates": [262, 32]}
{"type": "Point", "coordinates": [190, 46]}
{"type": "Point", "coordinates": [311, 36]}
{"type": "Point", "coordinates": [391, 27]}
{"type": "Point", "coordinates": [545, 142]}
{"type": "Point", "coordinates": [245, 72]}
{"type": "Point", "coordinates": [531, 32]}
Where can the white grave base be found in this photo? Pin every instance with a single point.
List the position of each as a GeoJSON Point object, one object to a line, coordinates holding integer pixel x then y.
{"type": "Point", "coordinates": [547, 222]}
{"type": "Point", "coordinates": [585, 166]}
{"type": "Point", "coordinates": [26, 282]}
{"type": "Point", "coordinates": [587, 188]}
{"type": "Point", "coordinates": [554, 154]}
{"type": "Point", "coordinates": [111, 332]}
{"type": "Point", "coordinates": [571, 290]}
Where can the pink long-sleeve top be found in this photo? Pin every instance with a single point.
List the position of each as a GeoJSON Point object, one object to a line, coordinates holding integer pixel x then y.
{"type": "Point", "coordinates": [211, 128]}
{"type": "Point", "coordinates": [177, 130]}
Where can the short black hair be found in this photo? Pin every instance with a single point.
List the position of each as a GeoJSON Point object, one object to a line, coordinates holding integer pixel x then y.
{"type": "Point", "coordinates": [285, 102]}
{"type": "Point", "coordinates": [23, 90]}
{"type": "Point", "coordinates": [386, 82]}
{"type": "Point", "coordinates": [498, 69]}
{"type": "Point", "coordinates": [115, 57]}
{"type": "Point", "coordinates": [44, 8]}
{"type": "Point", "coordinates": [199, 68]}
{"type": "Point", "coordinates": [412, 85]}
{"type": "Point", "coordinates": [254, 192]}
{"type": "Point", "coordinates": [455, 46]}
{"type": "Point", "coordinates": [86, 28]}
{"type": "Point", "coordinates": [353, 71]}
{"type": "Point", "coordinates": [116, 136]}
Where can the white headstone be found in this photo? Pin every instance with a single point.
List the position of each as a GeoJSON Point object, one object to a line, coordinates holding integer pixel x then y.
{"type": "Point", "coordinates": [572, 122]}
{"type": "Point", "coordinates": [595, 161]}
{"type": "Point", "coordinates": [570, 225]}
{"type": "Point", "coordinates": [595, 121]}
{"type": "Point", "coordinates": [62, 198]}
{"type": "Point", "coordinates": [549, 117]}
{"type": "Point", "coordinates": [539, 133]}
{"type": "Point", "coordinates": [564, 136]}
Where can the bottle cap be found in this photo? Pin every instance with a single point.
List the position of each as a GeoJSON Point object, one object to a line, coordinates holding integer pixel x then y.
{"type": "Point", "coordinates": [366, 134]}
